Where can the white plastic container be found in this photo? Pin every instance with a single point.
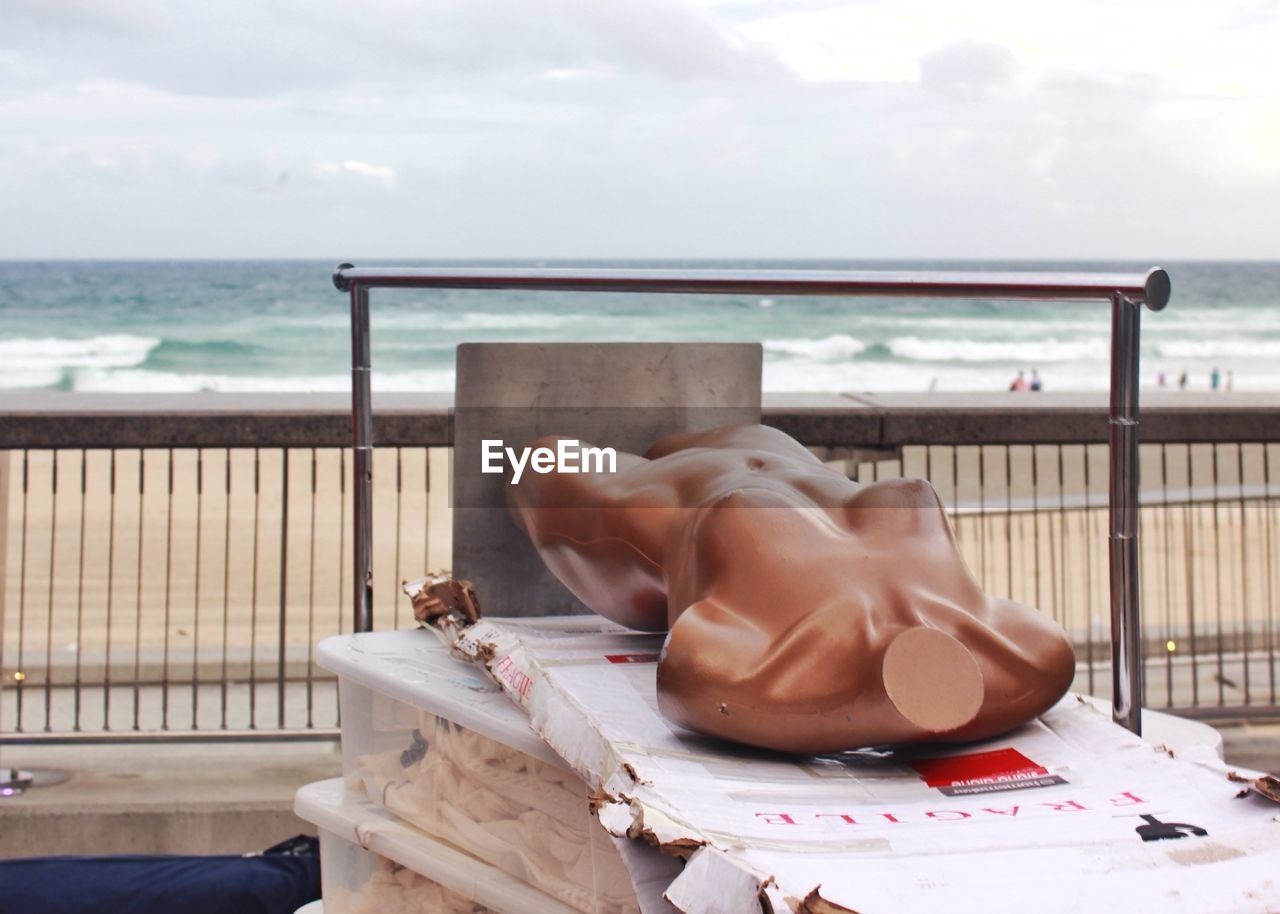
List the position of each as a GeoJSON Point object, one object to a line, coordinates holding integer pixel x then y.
{"type": "Point", "coordinates": [431, 740]}
{"type": "Point", "coordinates": [371, 863]}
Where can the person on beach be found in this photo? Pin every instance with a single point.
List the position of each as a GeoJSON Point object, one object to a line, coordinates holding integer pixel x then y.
{"type": "Point", "coordinates": [1215, 378]}
{"type": "Point", "coordinates": [1020, 382]}
{"type": "Point", "coordinates": [1182, 381]}
{"type": "Point", "coordinates": [1036, 383]}
{"type": "Point", "coordinates": [1161, 380]}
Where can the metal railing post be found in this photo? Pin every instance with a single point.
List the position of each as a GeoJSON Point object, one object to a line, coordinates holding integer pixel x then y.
{"type": "Point", "coordinates": [361, 452]}
{"type": "Point", "coordinates": [1126, 634]}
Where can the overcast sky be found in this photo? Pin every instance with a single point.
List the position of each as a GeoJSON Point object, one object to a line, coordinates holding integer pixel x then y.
{"type": "Point", "coordinates": [640, 128]}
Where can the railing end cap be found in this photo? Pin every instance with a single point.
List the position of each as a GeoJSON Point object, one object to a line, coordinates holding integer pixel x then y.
{"type": "Point", "coordinates": [1158, 288]}
{"type": "Point", "coordinates": [340, 282]}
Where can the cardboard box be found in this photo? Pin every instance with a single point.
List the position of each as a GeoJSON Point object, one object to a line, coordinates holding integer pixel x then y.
{"type": "Point", "coordinates": [1068, 813]}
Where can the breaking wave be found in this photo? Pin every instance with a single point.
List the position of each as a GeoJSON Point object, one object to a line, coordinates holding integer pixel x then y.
{"type": "Point", "coordinates": [829, 349]}
{"type": "Point", "coordinates": [406, 319]}
{"type": "Point", "coordinates": [1009, 351]}
{"type": "Point", "coordinates": [135, 381]}
{"type": "Point", "coordinates": [1219, 349]}
{"type": "Point", "coordinates": [51, 354]}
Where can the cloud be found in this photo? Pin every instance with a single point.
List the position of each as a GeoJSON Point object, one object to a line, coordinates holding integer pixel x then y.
{"type": "Point", "coordinates": [968, 68]}
{"type": "Point", "coordinates": [259, 48]}
{"type": "Point", "coordinates": [383, 174]}
{"type": "Point", "coordinates": [612, 128]}
{"type": "Point", "coordinates": [752, 10]}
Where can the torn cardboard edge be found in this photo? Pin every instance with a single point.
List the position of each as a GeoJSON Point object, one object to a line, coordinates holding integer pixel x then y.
{"type": "Point", "coordinates": [438, 595]}
{"type": "Point", "coordinates": [1267, 785]}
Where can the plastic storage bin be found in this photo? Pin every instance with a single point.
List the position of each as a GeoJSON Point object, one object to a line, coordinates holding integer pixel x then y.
{"type": "Point", "coordinates": [371, 863]}
{"type": "Point", "coordinates": [428, 738]}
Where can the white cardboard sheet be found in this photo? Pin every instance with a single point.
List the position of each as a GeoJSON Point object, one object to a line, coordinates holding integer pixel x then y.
{"type": "Point", "coordinates": [1064, 814]}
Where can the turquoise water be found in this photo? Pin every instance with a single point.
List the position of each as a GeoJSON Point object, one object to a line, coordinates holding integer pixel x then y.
{"type": "Point", "coordinates": [268, 325]}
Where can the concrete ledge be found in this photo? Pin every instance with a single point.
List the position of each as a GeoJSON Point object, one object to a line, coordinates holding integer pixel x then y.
{"type": "Point", "coordinates": [229, 828]}
{"type": "Point", "coordinates": [161, 799]}
{"type": "Point", "coordinates": [60, 420]}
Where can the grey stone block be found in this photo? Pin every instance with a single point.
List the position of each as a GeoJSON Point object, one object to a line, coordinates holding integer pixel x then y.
{"type": "Point", "coordinates": [620, 395]}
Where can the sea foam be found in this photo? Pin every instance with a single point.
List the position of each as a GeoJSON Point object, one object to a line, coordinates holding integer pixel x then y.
{"type": "Point", "coordinates": [1219, 349]}
{"type": "Point", "coordinates": [1030, 352]}
{"type": "Point", "coordinates": [134, 380]}
{"type": "Point", "coordinates": [435, 320]}
{"type": "Point", "coordinates": [828, 349]}
{"type": "Point", "coordinates": [51, 354]}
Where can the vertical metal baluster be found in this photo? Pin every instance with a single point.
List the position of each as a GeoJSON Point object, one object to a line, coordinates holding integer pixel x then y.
{"type": "Point", "coordinates": [1243, 603]}
{"type": "Point", "coordinates": [971, 537]}
{"type": "Point", "coordinates": [342, 540]}
{"type": "Point", "coordinates": [226, 587]}
{"type": "Point", "coordinates": [342, 535]}
{"type": "Point", "coordinates": [84, 505]}
{"type": "Point", "coordinates": [253, 600]}
{"type": "Point", "coordinates": [1167, 553]}
{"type": "Point", "coordinates": [1269, 519]}
{"type": "Point", "coordinates": [982, 513]}
{"type": "Point", "coordinates": [168, 600]}
{"type": "Point", "coordinates": [1035, 521]}
{"type": "Point", "coordinates": [1087, 528]}
{"type": "Point", "coordinates": [1217, 580]}
{"type": "Point", "coordinates": [284, 583]}
{"type": "Point", "coordinates": [1188, 564]}
{"type": "Point", "coordinates": [395, 595]}
{"type": "Point", "coordinates": [6, 469]}
{"type": "Point", "coordinates": [953, 509]}
{"type": "Point", "coordinates": [20, 675]}
{"type": "Point", "coordinates": [311, 598]}
{"type": "Point", "coordinates": [955, 500]}
{"type": "Point", "coordinates": [426, 512]}
{"type": "Point", "coordinates": [195, 622]}
{"type": "Point", "coordinates": [1008, 521]}
{"type": "Point", "coordinates": [111, 589]}
{"type": "Point", "coordinates": [1144, 585]}
{"type": "Point", "coordinates": [137, 619]}
{"type": "Point", "coordinates": [48, 635]}
{"type": "Point", "coordinates": [1063, 600]}
{"type": "Point", "coordinates": [1057, 554]}
{"type": "Point", "coordinates": [928, 466]}
{"type": "Point", "coordinates": [110, 602]}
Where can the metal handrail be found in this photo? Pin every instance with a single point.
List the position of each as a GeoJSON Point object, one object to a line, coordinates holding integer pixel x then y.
{"type": "Point", "coordinates": [1151, 289]}
{"type": "Point", "coordinates": [1126, 292]}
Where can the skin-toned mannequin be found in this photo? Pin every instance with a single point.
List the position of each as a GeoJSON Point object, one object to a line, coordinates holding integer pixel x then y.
{"type": "Point", "coordinates": [806, 613]}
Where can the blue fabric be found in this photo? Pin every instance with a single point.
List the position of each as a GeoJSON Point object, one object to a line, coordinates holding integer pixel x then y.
{"type": "Point", "coordinates": [273, 883]}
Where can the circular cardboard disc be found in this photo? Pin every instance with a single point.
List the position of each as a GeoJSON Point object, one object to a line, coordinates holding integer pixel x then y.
{"type": "Point", "coordinates": [932, 679]}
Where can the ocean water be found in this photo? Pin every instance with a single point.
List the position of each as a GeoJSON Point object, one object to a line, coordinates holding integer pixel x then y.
{"type": "Point", "coordinates": [281, 326]}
